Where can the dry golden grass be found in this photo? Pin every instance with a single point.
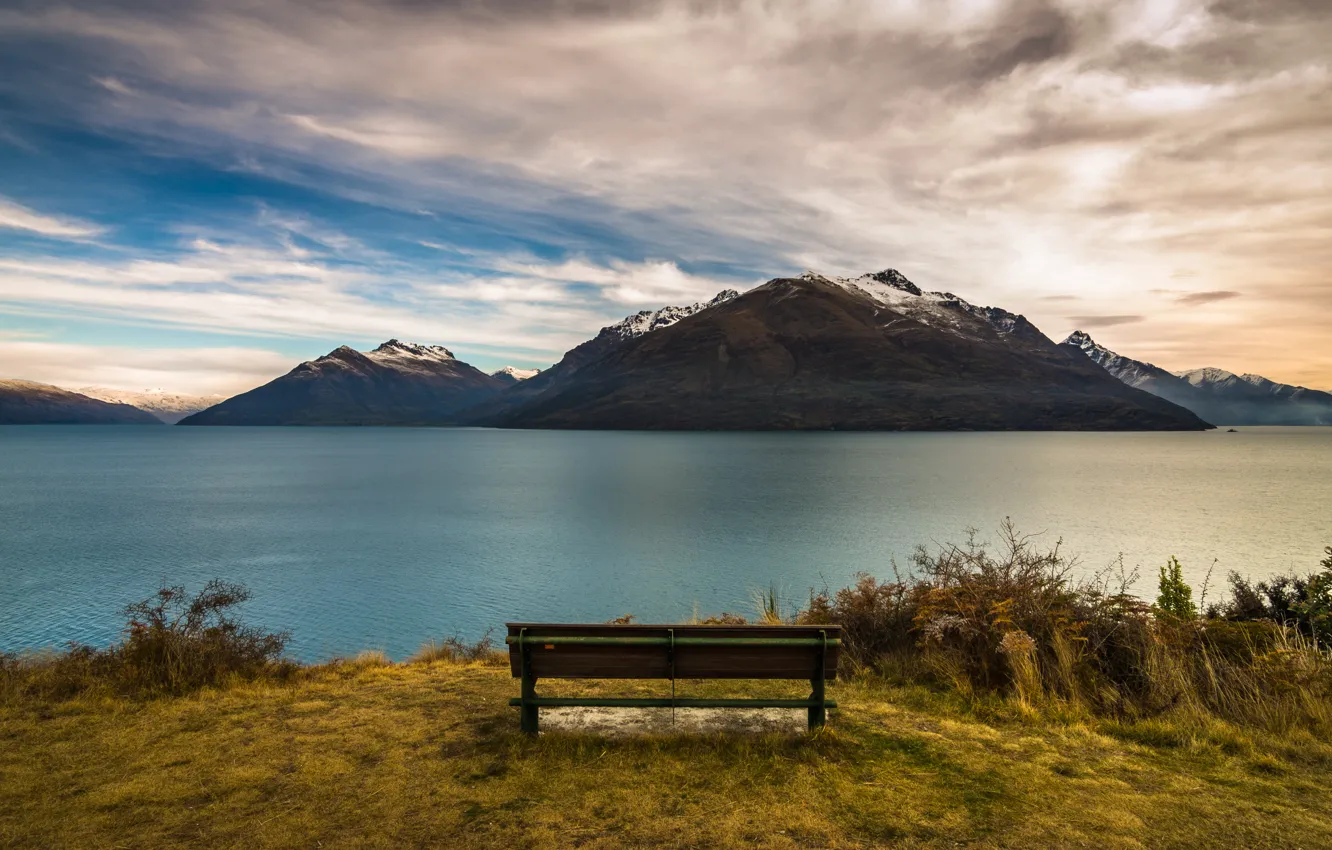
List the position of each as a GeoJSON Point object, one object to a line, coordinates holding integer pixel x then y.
{"type": "Point", "coordinates": [428, 754]}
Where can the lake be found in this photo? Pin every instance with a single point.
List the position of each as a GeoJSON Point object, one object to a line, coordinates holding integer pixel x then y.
{"type": "Point", "coordinates": [382, 538]}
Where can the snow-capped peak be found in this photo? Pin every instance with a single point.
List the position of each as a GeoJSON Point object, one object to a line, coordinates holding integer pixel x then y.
{"type": "Point", "coordinates": [1082, 340]}
{"type": "Point", "coordinates": [1093, 349]}
{"type": "Point", "coordinates": [892, 289]}
{"type": "Point", "coordinates": [653, 320]}
{"type": "Point", "coordinates": [515, 373]}
{"type": "Point", "coordinates": [398, 350]}
{"type": "Point", "coordinates": [1207, 375]}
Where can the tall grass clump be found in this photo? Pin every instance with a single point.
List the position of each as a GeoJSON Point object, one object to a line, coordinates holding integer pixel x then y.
{"type": "Point", "coordinates": [455, 650]}
{"type": "Point", "coordinates": [172, 643]}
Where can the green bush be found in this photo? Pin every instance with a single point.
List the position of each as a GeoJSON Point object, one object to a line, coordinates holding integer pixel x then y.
{"type": "Point", "coordinates": [1176, 597]}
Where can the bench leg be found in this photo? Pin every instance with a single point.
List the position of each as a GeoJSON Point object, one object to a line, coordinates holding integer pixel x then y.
{"type": "Point", "coordinates": [528, 713]}
{"type": "Point", "coordinates": [818, 715]}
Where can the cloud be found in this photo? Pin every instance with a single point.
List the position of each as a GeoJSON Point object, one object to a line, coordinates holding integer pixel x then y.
{"type": "Point", "coordinates": [1019, 152]}
{"type": "Point", "coordinates": [337, 289]}
{"type": "Point", "coordinates": [653, 282]}
{"type": "Point", "coordinates": [1197, 299]}
{"type": "Point", "coordinates": [15, 216]}
{"type": "Point", "coordinates": [205, 371]}
{"type": "Point", "coordinates": [1105, 321]}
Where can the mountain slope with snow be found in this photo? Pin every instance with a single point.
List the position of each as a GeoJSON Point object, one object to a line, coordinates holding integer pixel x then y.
{"type": "Point", "coordinates": [1215, 394]}
{"type": "Point", "coordinates": [942, 310]}
{"type": "Point", "coordinates": [169, 407]}
{"type": "Point", "coordinates": [606, 340]}
{"type": "Point", "coordinates": [398, 383]}
{"type": "Point", "coordinates": [511, 374]}
{"type": "Point", "coordinates": [31, 403]}
{"type": "Point", "coordinates": [647, 321]}
{"type": "Point", "coordinates": [817, 352]}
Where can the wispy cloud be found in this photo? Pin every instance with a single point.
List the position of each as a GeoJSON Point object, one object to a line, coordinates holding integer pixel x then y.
{"type": "Point", "coordinates": [1105, 321]}
{"type": "Point", "coordinates": [15, 216]}
{"type": "Point", "coordinates": [1197, 299]}
{"type": "Point", "coordinates": [225, 370]}
{"type": "Point", "coordinates": [527, 310]}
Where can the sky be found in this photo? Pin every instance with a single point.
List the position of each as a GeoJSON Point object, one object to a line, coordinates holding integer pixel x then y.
{"type": "Point", "coordinates": [199, 195]}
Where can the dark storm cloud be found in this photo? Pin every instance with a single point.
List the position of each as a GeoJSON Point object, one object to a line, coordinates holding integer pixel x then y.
{"type": "Point", "coordinates": [1043, 35]}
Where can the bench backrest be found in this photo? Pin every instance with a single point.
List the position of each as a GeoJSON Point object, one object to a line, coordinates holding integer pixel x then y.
{"type": "Point", "coordinates": [600, 651]}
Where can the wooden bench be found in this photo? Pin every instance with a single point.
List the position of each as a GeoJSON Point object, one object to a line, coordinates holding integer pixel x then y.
{"type": "Point", "coordinates": [574, 651]}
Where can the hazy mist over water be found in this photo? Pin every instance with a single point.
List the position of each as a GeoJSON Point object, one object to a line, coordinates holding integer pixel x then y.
{"type": "Point", "coordinates": [381, 538]}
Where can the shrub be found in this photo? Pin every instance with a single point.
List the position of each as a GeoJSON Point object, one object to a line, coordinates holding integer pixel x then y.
{"type": "Point", "coordinates": [876, 618]}
{"type": "Point", "coordinates": [1176, 597]}
{"type": "Point", "coordinates": [1302, 602]}
{"type": "Point", "coordinates": [724, 619]}
{"type": "Point", "coordinates": [968, 599]}
{"type": "Point", "coordinates": [1011, 619]}
{"type": "Point", "coordinates": [176, 643]}
{"type": "Point", "coordinates": [173, 643]}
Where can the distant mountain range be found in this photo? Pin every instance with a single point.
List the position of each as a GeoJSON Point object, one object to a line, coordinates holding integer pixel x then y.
{"type": "Point", "coordinates": [511, 376]}
{"type": "Point", "coordinates": [874, 352]}
{"type": "Point", "coordinates": [166, 406]}
{"type": "Point", "coordinates": [30, 403]}
{"type": "Point", "coordinates": [1214, 394]}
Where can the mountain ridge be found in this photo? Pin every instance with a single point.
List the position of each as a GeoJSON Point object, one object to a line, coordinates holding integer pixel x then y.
{"type": "Point", "coordinates": [32, 403]}
{"type": "Point", "coordinates": [1215, 394]}
{"type": "Point", "coordinates": [166, 406]}
{"type": "Point", "coordinates": [816, 352]}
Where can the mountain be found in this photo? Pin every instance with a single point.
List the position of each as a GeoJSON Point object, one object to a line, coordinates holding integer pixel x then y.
{"type": "Point", "coordinates": [1145, 376]}
{"type": "Point", "coordinates": [1256, 400]}
{"type": "Point", "coordinates": [169, 407]}
{"type": "Point", "coordinates": [29, 403]}
{"type": "Point", "coordinates": [1215, 394]}
{"type": "Point", "coordinates": [817, 352]}
{"type": "Point", "coordinates": [398, 383]}
{"type": "Point", "coordinates": [608, 338]}
{"type": "Point", "coordinates": [511, 375]}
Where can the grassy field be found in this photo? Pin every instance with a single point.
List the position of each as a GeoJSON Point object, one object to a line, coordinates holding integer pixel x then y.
{"type": "Point", "coordinates": [428, 754]}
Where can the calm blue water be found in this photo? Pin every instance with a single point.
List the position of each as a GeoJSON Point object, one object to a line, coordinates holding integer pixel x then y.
{"type": "Point", "coordinates": [382, 538]}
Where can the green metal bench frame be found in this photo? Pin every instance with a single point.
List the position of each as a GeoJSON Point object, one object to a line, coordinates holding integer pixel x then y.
{"type": "Point", "coordinates": [530, 637]}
